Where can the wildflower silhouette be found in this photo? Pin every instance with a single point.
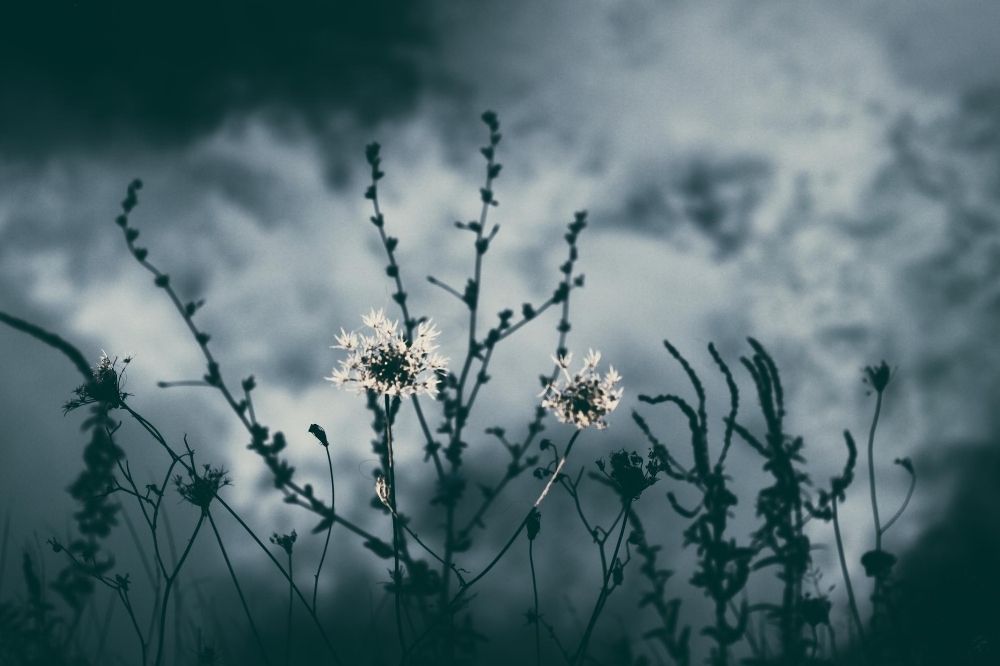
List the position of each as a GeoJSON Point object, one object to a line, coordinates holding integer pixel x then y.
{"type": "Point", "coordinates": [394, 362]}
{"type": "Point", "coordinates": [105, 387]}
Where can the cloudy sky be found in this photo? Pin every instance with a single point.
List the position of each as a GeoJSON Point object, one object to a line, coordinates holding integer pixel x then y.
{"type": "Point", "coordinates": [820, 176]}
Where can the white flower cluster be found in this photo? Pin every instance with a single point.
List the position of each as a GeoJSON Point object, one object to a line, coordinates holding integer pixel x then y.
{"type": "Point", "coordinates": [583, 399]}
{"type": "Point", "coordinates": [386, 363]}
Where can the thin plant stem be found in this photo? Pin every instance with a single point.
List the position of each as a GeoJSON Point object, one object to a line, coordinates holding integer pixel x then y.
{"type": "Point", "coordinates": [122, 593]}
{"type": "Point", "coordinates": [906, 502]}
{"type": "Point", "coordinates": [103, 631]}
{"type": "Point", "coordinates": [397, 581]}
{"type": "Point", "coordinates": [3, 547]}
{"type": "Point", "coordinates": [239, 590]}
{"type": "Point", "coordinates": [581, 651]}
{"type": "Point", "coordinates": [291, 599]}
{"type": "Point", "coordinates": [463, 589]}
{"type": "Point", "coordinates": [173, 554]}
{"type": "Point", "coordinates": [135, 624]}
{"type": "Point", "coordinates": [138, 546]}
{"type": "Point", "coordinates": [169, 586]}
{"type": "Point", "coordinates": [852, 602]}
{"type": "Point", "coordinates": [871, 471]}
{"type": "Point", "coordinates": [329, 530]}
{"type": "Point", "coordinates": [534, 590]}
{"type": "Point", "coordinates": [298, 593]}
{"type": "Point", "coordinates": [555, 475]}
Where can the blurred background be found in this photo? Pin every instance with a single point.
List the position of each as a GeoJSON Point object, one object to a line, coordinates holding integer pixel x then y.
{"type": "Point", "coordinates": [824, 177]}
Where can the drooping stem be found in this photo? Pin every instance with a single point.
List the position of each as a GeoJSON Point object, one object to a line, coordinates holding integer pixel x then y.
{"type": "Point", "coordinates": [906, 502]}
{"type": "Point", "coordinates": [396, 578]}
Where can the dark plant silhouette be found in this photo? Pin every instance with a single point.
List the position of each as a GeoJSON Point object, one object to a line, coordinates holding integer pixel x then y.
{"type": "Point", "coordinates": [432, 542]}
{"type": "Point", "coordinates": [723, 565]}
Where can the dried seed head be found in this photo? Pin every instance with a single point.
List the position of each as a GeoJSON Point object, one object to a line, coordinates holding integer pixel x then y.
{"type": "Point", "coordinates": [584, 398]}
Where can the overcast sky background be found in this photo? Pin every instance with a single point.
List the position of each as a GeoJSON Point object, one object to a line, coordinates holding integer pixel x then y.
{"type": "Point", "coordinates": [852, 150]}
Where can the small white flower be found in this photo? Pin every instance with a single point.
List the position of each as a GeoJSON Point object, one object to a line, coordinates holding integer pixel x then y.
{"type": "Point", "coordinates": [385, 362]}
{"type": "Point", "coordinates": [584, 398]}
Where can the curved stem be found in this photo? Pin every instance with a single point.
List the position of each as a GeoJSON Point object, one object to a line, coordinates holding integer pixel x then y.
{"type": "Point", "coordinates": [871, 471]}
{"type": "Point", "coordinates": [445, 611]}
{"type": "Point", "coordinates": [329, 530]}
{"type": "Point", "coordinates": [855, 614]}
{"type": "Point", "coordinates": [902, 508]}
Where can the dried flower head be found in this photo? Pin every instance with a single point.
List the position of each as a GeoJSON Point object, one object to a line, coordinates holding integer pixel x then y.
{"type": "Point", "coordinates": [583, 399]}
{"type": "Point", "coordinates": [285, 541]}
{"type": "Point", "coordinates": [386, 363]}
{"type": "Point", "coordinates": [106, 385]}
{"type": "Point", "coordinates": [629, 474]}
{"type": "Point", "coordinates": [201, 489]}
{"type": "Point", "coordinates": [878, 376]}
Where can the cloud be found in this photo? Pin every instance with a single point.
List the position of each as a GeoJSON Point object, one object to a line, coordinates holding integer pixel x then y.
{"type": "Point", "coordinates": [88, 74]}
{"type": "Point", "coordinates": [746, 170]}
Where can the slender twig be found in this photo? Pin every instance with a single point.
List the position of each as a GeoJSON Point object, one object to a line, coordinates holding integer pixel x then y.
{"type": "Point", "coordinates": [871, 470]}
{"type": "Point", "coordinates": [169, 586]}
{"type": "Point", "coordinates": [3, 548]}
{"type": "Point", "coordinates": [463, 589]}
{"type": "Point", "coordinates": [534, 591]}
{"type": "Point", "coordinates": [326, 544]}
{"type": "Point", "coordinates": [298, 593]}
{"type": "Point", "coordinates": [120, 587]}
{"type": "Point", "coordinates": [555, 474]}
{"type": "Point", "coordinates": [852, 602]}
{"type": "Point", "coordinates": [581, 650]}
{"type": "Point", "coordinates": [103, 631]}
{"type": "Point", "coordinates": [397, 579]}
{"type": "Point", "coordinates": [138, 546]}
{"type": "Point", "coordinates": [239, 590]}
{"type": "Point", "coordinates": [906, 501]}
{"type": "Point", "coordinates": [291, 600]}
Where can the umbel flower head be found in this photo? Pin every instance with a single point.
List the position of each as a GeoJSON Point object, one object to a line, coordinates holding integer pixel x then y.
{"type": "Point", "coordinates": [583, 399]}
{"type": "Point", "coordinates": [106, 385]}
{"type": "Point", "coordinates": [386, 363]}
